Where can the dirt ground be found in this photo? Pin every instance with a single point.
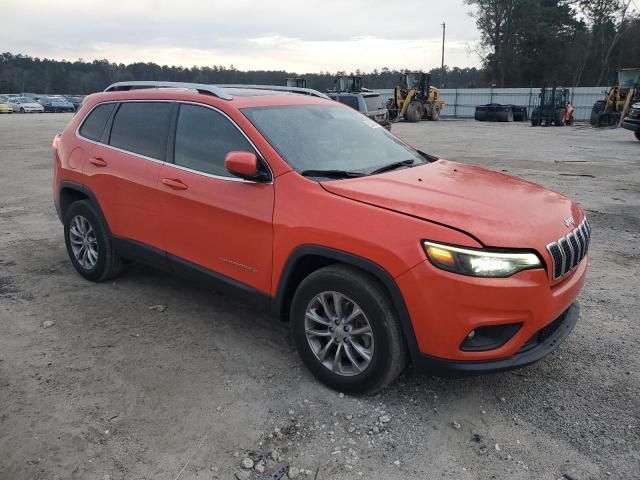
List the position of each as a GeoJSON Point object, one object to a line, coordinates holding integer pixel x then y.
{"type": "Point", "coordinates": [193, 388]}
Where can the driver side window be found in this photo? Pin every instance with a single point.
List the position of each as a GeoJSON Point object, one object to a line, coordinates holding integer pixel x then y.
{"type": "Point", "coordinates": [203, 139]}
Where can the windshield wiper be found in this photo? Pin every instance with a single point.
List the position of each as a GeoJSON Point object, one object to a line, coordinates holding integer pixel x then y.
{"type": "Point", "coordinates": [393, 166]}
{"type": "Point", "coordinates": [331, 173]}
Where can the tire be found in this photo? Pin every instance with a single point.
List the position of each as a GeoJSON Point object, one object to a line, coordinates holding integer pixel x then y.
{"type": "Point", "coordinates": [637, 134]}
{"type": "Point", "coordinates": [480, 116]}
{"type": "Point", "coordinates": [560, 119]}
{"type": "Point", "coordinates": [107, 263]}
{"type": "Point", "coordinates": [505, 116]}
{"type": "Point", "coordinates": [435, 114]}
{"type": "Point", "coordinates": [22, 110]}
{"type": "Point", "coordinates": [598, 107]}
{"type": "Point", "coordinates": [358, 288]}
{"type": "Point", "coordinates": [603, 120]}
{"type": "Point", "coordinates": [415, 112]}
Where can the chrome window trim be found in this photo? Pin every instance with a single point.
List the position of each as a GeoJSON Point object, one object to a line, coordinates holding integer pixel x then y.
{"type": "Point", "coordinates": [180, 167]}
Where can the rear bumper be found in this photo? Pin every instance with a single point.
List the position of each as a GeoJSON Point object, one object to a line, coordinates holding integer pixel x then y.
{"type": "Point", "coordinates": [544, 342]}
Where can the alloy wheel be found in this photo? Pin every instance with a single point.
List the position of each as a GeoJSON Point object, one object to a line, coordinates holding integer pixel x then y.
{"type": "Point", "coordinates": [339, 333]}
{"type": "Point", "coordinates": [83, 242]}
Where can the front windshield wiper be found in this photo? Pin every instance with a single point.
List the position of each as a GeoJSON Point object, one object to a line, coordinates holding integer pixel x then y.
{"type": "Point", "coordinates": [331, 173]}
{"type": "Point", "coordinates": [393, 166]}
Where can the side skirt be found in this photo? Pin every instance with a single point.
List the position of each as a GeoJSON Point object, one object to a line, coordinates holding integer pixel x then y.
{"type": "Point", "coordinates": [153, 257]}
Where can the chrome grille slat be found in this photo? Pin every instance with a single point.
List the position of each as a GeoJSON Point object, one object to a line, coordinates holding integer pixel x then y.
{"type": "Point", "coordinates": [567, 252]}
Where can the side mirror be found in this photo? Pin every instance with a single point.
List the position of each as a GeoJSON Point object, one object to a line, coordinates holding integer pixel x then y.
{"type": "Point", "coordinates": [244, 165]}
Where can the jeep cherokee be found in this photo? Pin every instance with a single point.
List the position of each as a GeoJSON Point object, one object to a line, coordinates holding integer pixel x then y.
{"type": "Point", "coordinates": [376, 253]}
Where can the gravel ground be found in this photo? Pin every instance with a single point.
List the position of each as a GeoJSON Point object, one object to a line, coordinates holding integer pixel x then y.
{"type": "Point", "coordinates": [149, 377]}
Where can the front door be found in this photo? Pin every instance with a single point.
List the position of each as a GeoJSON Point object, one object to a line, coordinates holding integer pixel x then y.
{"type": "Point", "coordinates": [210, 219]}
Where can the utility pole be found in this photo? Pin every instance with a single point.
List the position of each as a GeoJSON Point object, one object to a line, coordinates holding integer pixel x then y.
{"type": "Point", "coordinates": [444, 29]}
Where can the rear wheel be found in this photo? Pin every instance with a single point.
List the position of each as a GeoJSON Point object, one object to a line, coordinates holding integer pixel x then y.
{"type": "Point", "coordinates": [415, 111]}
{"type": "Point", "coordinates": [435, 113]}
{"type": "Point", "coordinates": [88, 244]}
{"type": "Point", "coordinates": [346, 330]}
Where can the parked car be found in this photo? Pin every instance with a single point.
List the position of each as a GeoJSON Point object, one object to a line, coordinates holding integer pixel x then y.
{"type": "Point", "coordinates": [25, 105]}
{"type": "Point", "coordinates": [5, 106]}
{"type": "Point", "coordinates": [56, 104]}
{"type": "Point", "coordinates": [632, 120]}
{"type": "Point", "coordinates": [370, 104]}
{"type": "Point", "coordinates": [376, 253]}
{"type": "Point", "coordinates": [76, 100]}
{"type": "Point", "coordinates": [495, 112]}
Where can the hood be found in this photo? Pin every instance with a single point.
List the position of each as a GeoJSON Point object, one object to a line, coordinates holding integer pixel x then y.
{"type": "Point", "coordinates": [497, 209]}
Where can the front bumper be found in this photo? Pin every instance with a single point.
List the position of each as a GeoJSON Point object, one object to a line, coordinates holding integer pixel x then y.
{"type": "Point", "coordinates": [445, 307]}
{"type": "Point", "coordinates": [544, 342]}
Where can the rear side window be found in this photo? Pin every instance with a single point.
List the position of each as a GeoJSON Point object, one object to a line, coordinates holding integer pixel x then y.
{"type": "Point", "coordinates": [93, 125]}
{"type": "Point", "coordinates": [141, 127]}
{"type": "Point", "coordinates": [351, 101]}
{"type": "Point", "coordinates": [204, 137]}
{"type": "Point", "coordinates": [374, 102]}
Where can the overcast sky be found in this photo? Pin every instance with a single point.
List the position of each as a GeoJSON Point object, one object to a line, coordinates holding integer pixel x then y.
{"type": "Point", "coordinates": [302, 36]}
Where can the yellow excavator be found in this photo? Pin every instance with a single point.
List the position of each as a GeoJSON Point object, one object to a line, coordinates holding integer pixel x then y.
{"type": "Point", "coordinates": [415, 98]}
{"type": "Point", "coordinates": [613, 108]}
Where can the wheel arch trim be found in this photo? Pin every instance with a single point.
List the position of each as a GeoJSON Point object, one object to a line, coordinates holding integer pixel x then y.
{"type": "Point", "coordinates": [83, 189]}
{"type": "Point", "coordinates": [280, 301]}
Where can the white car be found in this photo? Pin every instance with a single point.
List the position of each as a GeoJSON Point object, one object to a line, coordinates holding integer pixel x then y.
{"type": "Point", "coordinates": [25, 105]}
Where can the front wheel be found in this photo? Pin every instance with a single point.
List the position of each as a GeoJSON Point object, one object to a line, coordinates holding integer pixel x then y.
{"type": "Point", "coordinates": [415, 111]}
{"type": "Point", "coordinates": [22, 110]}
{"type": "Point", "coordinates": [346, 330]}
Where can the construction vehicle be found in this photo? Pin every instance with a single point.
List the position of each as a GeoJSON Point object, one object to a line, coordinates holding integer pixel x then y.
{"type": "Point", "coordinates": [296, 82]}
{"type": "Point", "coordinates": [613, 108]}
{"type": "Point", "coordinates": [415, 98]}
{"type": "Point", "coordinates": [554, 108]}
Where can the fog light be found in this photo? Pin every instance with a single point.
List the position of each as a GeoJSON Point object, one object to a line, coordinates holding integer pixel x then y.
{"type": "Point", "coordinates": [489, 337]}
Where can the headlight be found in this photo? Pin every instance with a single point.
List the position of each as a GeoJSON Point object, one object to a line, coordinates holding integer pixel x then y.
{"type": "Point", "coordinates": [479, 263]}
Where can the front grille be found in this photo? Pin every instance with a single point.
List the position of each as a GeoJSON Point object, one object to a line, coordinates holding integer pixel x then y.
{"type": "Point", "coordinates": [568, 252]}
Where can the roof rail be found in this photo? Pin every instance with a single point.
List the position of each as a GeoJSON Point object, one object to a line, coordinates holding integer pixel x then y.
{"type": "Point", "coordinates": [199, 87]}
{"type": "Point", "coordinates": [278, 88]}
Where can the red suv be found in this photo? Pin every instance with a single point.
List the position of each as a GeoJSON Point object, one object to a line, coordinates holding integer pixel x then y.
{"type": "Point", "coordinates": [376, 253]}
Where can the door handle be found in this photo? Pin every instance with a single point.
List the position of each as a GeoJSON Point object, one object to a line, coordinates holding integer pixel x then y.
{"type": "Point", "coordinates": [98, 162]}
{"type": "Point", "coordinates": [175, 184]}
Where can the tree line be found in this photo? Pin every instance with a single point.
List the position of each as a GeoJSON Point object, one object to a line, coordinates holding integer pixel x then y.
{"type": "Point", "coordinates": [522, 43]}
{"type": "Point", "coordinates": [22, 73]}
{"type": "Point", "coordinates": [568, 42]}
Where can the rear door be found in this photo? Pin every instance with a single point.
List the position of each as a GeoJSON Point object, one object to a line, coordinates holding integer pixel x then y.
{"type": "Point", "coordinates": [211, 219]}
{"type": "Point", "coordinates": [123, 168]}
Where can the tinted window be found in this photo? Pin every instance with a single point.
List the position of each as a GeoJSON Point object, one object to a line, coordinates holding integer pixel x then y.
{"type": "Point", "coordinates": [374, 102]}
{"type": "Point", "coordinates": [351, 101]}
{"type": "Point", "coordinates": [94, 124]}
{"type": "Point", "coordinates": [141, 127]}
{"type": "Point", "coordinates": [203, 139]}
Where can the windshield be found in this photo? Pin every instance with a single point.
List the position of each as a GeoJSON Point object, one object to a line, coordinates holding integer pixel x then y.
{"type": "Point", "coordinates": [26, 100]}
{"type": "Point", "coordinates": [325, 137]}
{"type": "Point", "coordinates": [629, 78]}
